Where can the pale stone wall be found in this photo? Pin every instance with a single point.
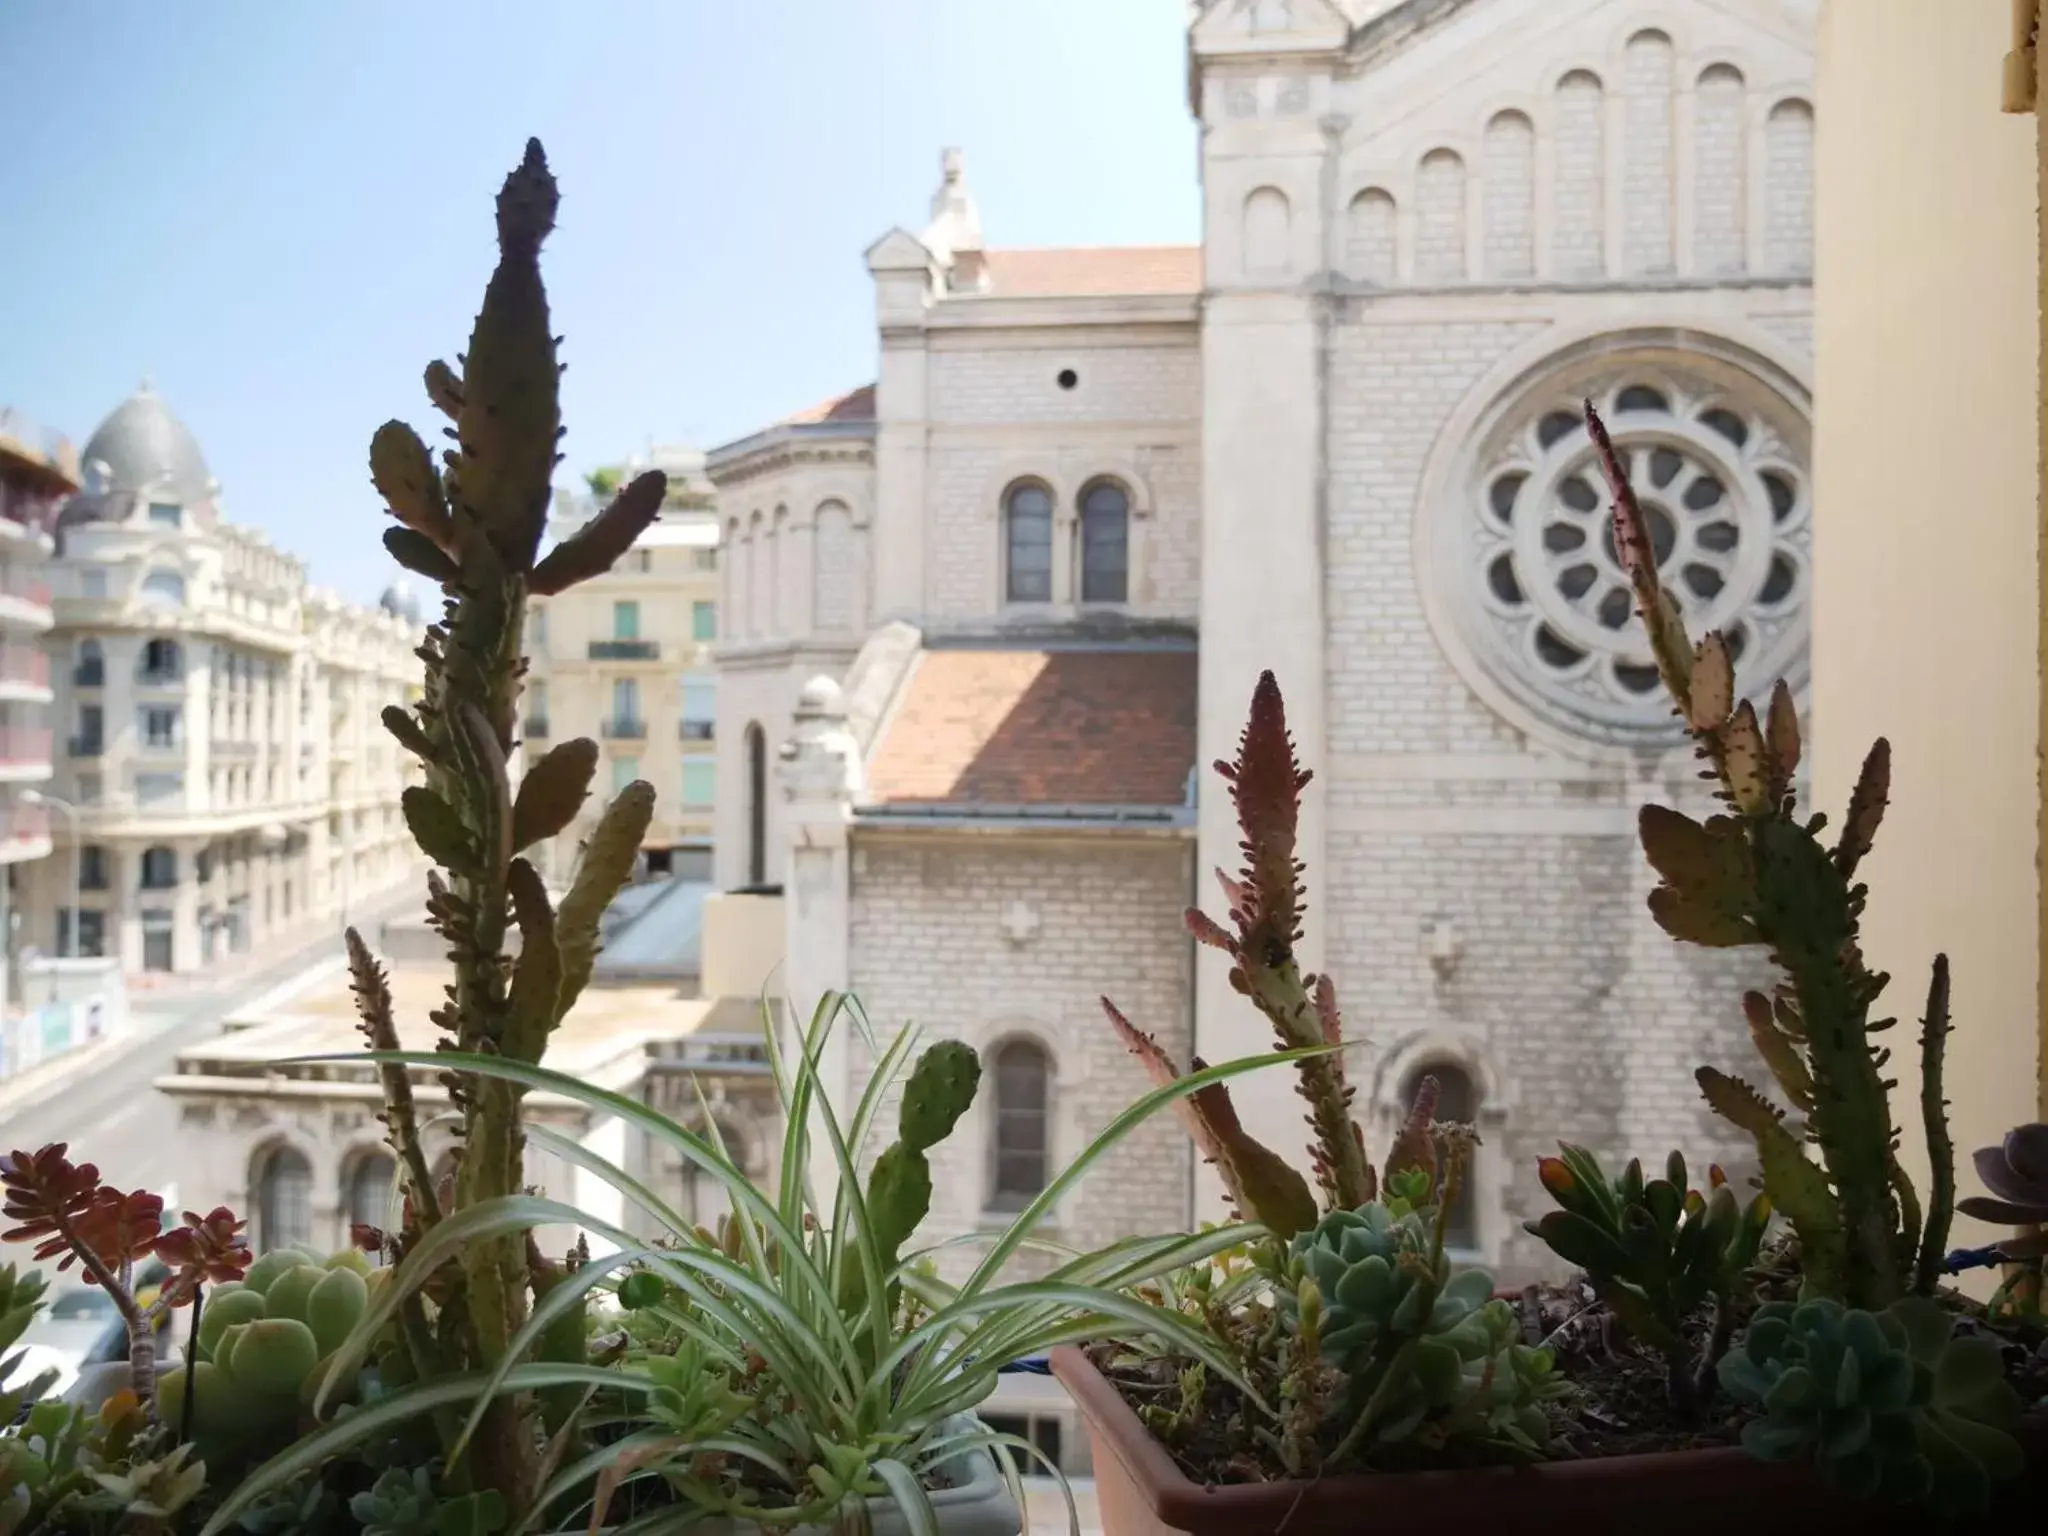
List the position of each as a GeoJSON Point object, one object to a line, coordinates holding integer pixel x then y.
{"type": "Point", "coordinates": [1926, 628]}
{"type": "Point", "coordinates": [930, 945]}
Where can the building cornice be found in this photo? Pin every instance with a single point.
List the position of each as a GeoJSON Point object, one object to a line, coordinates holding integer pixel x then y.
{"type": "Point", "coordinates": [786, 444]}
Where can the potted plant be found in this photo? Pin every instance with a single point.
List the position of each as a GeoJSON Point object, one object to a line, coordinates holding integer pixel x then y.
{"type": "Point", "coordinates": [1818, 1373]}
{"type": "Point", "coordinates": [802, 1367]}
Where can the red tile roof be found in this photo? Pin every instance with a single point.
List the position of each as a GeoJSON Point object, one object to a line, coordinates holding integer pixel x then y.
{"type": "Point", "coordinates": [854, 405]}
{"type": "Point", "coordinates": [1031, 727]}
{"type": "Point", "coordinates": [1088, 271]}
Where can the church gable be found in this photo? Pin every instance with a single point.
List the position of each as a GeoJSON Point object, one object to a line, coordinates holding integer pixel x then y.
{"type": "Point", "coordinates": [1270, 26]}
{"type": "Point", "coordinates": [1576, 140]}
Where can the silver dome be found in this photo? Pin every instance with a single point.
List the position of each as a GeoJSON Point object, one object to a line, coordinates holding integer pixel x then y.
{"type": "Point", "coordinates": [146, 450]}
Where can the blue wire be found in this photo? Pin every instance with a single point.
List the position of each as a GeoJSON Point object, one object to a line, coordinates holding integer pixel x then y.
{"type": "Point", "coordinates": [1973, 1258]}
{"type": "Point", "coordinates": [1034, 1365]}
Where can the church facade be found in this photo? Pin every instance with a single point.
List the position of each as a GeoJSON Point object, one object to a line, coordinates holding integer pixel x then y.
{"type": "Point", "coordinates": [986, 622]}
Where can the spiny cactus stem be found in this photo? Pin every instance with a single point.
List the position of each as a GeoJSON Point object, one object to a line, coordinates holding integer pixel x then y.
{"type": "Point", "coordinates": [1941, 1152]}
{"type": "Point", "coordinates": [1280, 994]}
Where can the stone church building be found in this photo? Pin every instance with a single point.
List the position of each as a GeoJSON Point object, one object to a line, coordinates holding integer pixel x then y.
{"type": "Point", "coordinates": [987, 620]}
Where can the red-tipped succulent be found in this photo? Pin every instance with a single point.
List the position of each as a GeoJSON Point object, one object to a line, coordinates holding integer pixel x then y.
{"type": "Point", "coordinates": [1262, 928]}
{"type": "Point", "coordinates": [206, 1250]}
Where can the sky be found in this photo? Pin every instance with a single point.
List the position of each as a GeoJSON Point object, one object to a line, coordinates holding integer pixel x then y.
{"type": "Point", "coordinates": [280, 213]}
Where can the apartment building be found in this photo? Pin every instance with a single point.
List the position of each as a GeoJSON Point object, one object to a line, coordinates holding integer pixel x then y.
{"type": "Point", "coordinates": [38, 470]}
{"type": "Point", "coordinates": [223, 766]}
{"type": "Point", "coordinates": [626, 660]}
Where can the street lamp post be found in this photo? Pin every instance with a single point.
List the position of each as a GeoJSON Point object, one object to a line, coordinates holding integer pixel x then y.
{"type": "Point", "coordinates": [37, 797]}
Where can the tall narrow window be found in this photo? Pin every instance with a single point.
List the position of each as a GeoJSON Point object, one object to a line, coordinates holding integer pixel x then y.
{"type": "Point", "coordinates": [703, 620]}
{"type": "Point", "coordinates": [1105, 543]}
{"type": "Point", "coordinates": [284, 1200]}
{"type": "Point", "coordinates": [624, 771]}
{"type": "Point", "coordinates": [757, 806]}
{"type": "Point", "coordinates": [1022, 1142]}
{"type": "Point", "coordinates": [626, 621]}
{"type": "Point", "coordinates": [91, 668]}
{"type": "Point", "coordinates": [1457, 1103]}
{"type": "Point", "coordinates": [370, 1183]}
{"type": "Point", "coordinates": [159, 869]}
{"type": "Point", "coordinates": [625, 703]}
{"type": "Point", "coordinates": [1027, 530]}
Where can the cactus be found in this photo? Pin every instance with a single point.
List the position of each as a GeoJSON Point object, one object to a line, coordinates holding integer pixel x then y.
{"type": "Point", "coordinates": [1890, 1403]}
{"type": "Point", "coordinates": [474, 526]}
{"type": "Point", "coordinates": [939, 1091]}
{"type": "Point", "coordinates": [1655, 1251]}
{"type": "Point", "coordinates": [1757, 873]}
{"type": "Point", "coordinates": [1427, 1357]}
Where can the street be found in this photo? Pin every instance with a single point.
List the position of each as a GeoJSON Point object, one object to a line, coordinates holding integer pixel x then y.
{"type": "Point", "coordinates": [113, 1117]}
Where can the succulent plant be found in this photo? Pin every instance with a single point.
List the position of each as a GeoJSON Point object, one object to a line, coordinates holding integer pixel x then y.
{"type": "Point", "coordinates": [1655, 1251]}
{"type": "Point", "coordinates": [2016, 1173]}
{"type": "Point", "coordinates": [1892, 1403]}
{"type": "Point", "coordinates": [1426, 1355]}
{"type": "Point", "coordinates": [262, 1346]}
{"type": "Point", "coordinates": [1265, 909]}
{"type": "Point", "coordinates": [940, 1089]}
{"type": "Point", "coordinates": [1758, 873]}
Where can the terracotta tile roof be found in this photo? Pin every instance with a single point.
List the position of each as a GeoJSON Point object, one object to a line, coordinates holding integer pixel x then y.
{"type": "Point", "coordinates": [1034, 727]}
{"type": "Point", "coordinates": [854, 405]}
{"type": "Point", "coordinates": [1087, 271]}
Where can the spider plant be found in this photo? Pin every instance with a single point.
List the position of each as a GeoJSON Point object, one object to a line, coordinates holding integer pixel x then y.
{"type": "Point", "coordinates": [812, 1369]}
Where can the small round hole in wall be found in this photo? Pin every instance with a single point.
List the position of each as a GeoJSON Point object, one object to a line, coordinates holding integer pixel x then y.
{"type": "Point", "coordinates": [1067, 378]}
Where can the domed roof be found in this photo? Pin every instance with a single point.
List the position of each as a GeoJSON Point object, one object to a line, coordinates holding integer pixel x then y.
{"type": "Point", "coordinates": [147, 450]}
{"type": "Point", "coordinates": [400, 601]}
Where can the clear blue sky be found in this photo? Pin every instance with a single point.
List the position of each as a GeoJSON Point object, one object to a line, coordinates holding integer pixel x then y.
{"type": "Point", "coordinates": [282, 211]}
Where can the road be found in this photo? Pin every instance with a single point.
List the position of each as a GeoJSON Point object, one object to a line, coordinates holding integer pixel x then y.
{"type": "Point", "coordinates": [114, 1117]}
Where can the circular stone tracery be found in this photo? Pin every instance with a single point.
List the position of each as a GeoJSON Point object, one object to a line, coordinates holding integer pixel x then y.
{"type": "Point", "coordinates": [1718, 463]}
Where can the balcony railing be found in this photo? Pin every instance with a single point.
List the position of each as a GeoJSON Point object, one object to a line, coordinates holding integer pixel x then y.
{"type": "Point", "coordinates": [24, 664]}
{"type": "Point", "coordinates": [86, 746]}
{"type": "Point", "coordinates": [697, 730]}
{"type": "Point", "coordinates": [625, 730]}
{"type": "Point", "coordinates": [535, 729]}
{"type": "Point", "coordinates": [625, 650]}
{"type": "Point", "coordinates": [24, 744]}
{"type": "Point", "coordinates": [160, 677]}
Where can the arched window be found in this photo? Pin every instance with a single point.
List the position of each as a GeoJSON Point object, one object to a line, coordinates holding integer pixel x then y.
{"type": "Point", "coordinates": [163, 661]}
{"type": "Point", "coordinates": [370, 1183]}
{"type": "Point", "coordinates": [164, 587]}
{"type": "Point", "coordinates": [284, 1200]}
{"type": "Point", "coordinates": [1027, 539]}
{"type": "Point", "coordinates": [1105, 543]}
{"type": "Point", "coordinates": [1457, 1103]}
{"type": "Point", "coordinates": [757, 806]}
{"type": "Point", "coordinates": [159, 869]}
{"type": "Point", "coordinates": [1023, 1123]}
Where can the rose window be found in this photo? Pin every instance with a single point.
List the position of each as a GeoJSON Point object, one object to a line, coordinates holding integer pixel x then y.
{"type": "Point", "coordinates": [1724, 488]}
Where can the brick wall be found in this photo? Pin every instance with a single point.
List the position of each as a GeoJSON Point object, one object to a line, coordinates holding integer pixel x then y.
{"type": "Point", "coordinates": [1721, 172]}
{"type": "Point", "coordinates": [1000, 416]}
{"type": "Point", "coordinates": [931, 945]}
{"type": "Point", "coordinates": [1577, 247]}
{"type": "Point", "coordinates": [1647, 145]}
{"type": "Point", "coordinates": [1510, 182]}
{"type": "Point", "coordinates": [1440, 218]}
{"type": "Point", "coordinates": [1788, 183]}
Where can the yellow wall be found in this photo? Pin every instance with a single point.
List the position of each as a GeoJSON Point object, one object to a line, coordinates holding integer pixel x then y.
{"type": "Point", "coordinates": [1926, 622]}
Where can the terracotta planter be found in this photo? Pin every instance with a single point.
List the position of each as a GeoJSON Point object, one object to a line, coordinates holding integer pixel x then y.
{"type": "Point", "coordinates": [1142, 1492]}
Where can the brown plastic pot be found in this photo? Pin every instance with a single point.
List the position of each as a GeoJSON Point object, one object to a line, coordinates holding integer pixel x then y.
{"type": "Point", "coordinates": [1142, 1492]}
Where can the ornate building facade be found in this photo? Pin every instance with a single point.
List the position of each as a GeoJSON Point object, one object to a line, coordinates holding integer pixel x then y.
{"type": "Point", "coordinates": [222, 750]}
{"type": "Point", "coordinates": [1038, 566]}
